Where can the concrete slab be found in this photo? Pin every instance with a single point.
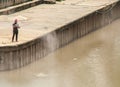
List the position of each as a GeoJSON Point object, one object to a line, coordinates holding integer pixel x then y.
{"type": "Point", "coordinates": [42, 19]}
{"type": "Point", "coordinates": [19, 7]}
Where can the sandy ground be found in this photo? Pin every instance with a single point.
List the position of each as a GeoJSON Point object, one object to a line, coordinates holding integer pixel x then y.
{"type": "Point", "coordinates": [42, 19]}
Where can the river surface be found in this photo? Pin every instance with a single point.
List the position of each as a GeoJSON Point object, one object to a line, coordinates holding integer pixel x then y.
{"type": "Point", "coordinates": [91, 61]}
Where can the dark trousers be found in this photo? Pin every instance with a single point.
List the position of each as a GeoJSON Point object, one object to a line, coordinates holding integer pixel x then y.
{"type": "Point", "coordinates": [15, 33]}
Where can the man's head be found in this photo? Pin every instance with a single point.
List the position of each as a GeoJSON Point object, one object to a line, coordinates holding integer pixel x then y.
{"type": "Point", "coordinates": [15, 20]}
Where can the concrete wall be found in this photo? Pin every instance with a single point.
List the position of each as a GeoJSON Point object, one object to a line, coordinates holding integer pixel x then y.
{"type": "Point", "coordinates": [19, 7]}
{"type": "Point", "coordinates": [7, 3]}
{"type": "Point", "coordinates": [17, 56]}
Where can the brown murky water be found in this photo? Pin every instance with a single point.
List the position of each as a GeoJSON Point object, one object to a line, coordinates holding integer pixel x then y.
{"type": "Point", "coordinates": [92, 61]}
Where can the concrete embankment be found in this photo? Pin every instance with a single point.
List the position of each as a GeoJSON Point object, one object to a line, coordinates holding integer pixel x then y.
{"type": "Point", "coordinates": [7, 3]}
{"type": "Point", "coordinates": [19, 55]}
{"type": "Point", "coordinates": [12, 6]}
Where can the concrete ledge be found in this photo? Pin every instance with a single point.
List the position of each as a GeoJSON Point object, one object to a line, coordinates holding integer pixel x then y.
{"type": "Point", "coordinates": [20, 7]}
{"type": "Point", "coordinates": [12, 57]}
{"type": "Point", "coordinates": [49, 1]}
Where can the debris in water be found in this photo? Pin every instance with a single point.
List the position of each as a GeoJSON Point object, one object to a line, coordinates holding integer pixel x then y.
{"type": "Point", "coordinates": [74, 59]}
{"type": "Point", "coordinates": [41, 75]}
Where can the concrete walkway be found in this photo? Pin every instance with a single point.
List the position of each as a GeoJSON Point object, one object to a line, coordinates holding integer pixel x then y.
{"type": "Point", "coordinates": [42, 19]}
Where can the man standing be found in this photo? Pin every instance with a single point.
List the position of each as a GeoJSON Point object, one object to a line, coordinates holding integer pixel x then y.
{"type": "Point", "coordinates": [15, 30]}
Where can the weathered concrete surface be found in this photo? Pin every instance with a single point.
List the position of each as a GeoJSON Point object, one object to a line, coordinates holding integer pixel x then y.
{"type": "Point", "coordinates": [40, 20]}
{"type": "Point", "coordinates": [7, 3]}
{"type": "Point", "coordinates": [46, 28]}
{"type": "Point", "coordinates": [19, 7]}
{"type": "Point", "coordinates": [49, 1]}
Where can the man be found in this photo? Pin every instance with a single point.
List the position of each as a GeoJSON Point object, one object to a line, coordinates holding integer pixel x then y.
{"type": "Point", "coordinates": [15, 30]}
